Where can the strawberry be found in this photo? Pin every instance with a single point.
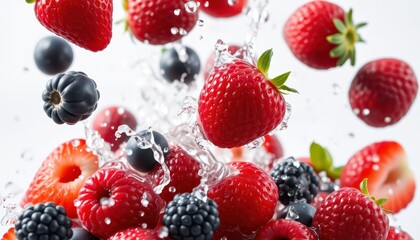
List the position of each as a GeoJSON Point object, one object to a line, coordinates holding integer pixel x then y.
{"type": "Point", "coordinates": [208, 67]}
{"type": "Point", "coordinates": [112, 200]}
{"type": "Point", "coordinates": [385, 164]}
{"type": "Point", "coordinates": [161, 21]}
{"type": "Point", "coordinates": [9, 235]}
{"type": "Point", "coordinates": [285, 229]}
{"type": "Point", "coordinates": [383, 91]}
{"type": "Point", "coordinates": [238, 104]}
{"type": "Point", "coordinates": [349, 214]}
{"type": "Point", "coordinates": [222, 9]}
{"type": "Point", "coordinates": [87, 24]}
{"type": "Point", "coordinates": [107, 121]}
{"type": "Point", "coordinates": [136, 233]}
{"type": "Point", "coordinates": [61, 176]}
{"type": "Point", "coordinates": [398, 234]}
{"type": "Point", "coordinates": [183, 171]}
{"type": "Point", "coordinates": [247, 198]}
{"type": "Point", "coordinates": [321, 35]}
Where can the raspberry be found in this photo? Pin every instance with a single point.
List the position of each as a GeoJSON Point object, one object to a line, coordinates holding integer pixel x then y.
{"type": "Point", "coordinates": [44, 221]}
{"type": "Point", "coordinates": [188, 217]}
{"type": "Point", "coordinates": [295, 181]}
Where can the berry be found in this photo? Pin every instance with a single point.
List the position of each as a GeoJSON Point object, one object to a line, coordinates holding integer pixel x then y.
{"type": "Point", "coordinates": [188, 217]}
{"type": "Point", "coordinates": [383, 91]}
{"type": "Point", "coordinates": [112, 200]}
{"type": "Point", "coordinates": [319, 198]}
{"type": "Point", "coordinates": [238, 104]}
{"type": "Point", "coordinates": [348, 214]}
{"type": "Point", "coordinates": [82, 234]}
{"type": "Point", "coordinates": [53, 55]}
{"type": "Point", "coordinates": [247, 198]}
{"type": "Point", "coordinates": [232, 49]}
{"type": "Point", "coordinates": [85, 23]}
{"type": "Point", "coordinates": [295, 181]}
{"type": "Point", "coordinates": [107, 121]}
{"type": "Point", "coordinates": [298, 211]}
{"type": "Point", "coordinates": [143, 160]}
{"type": "Point", "coordinates": [222, 9]}
{"type": "Point", "coordinates": [385, 164]}
{"type": "Point", "coordinates": [184, 68]}
{"type": "Point", "coordinates": [321, 35]}
{"type": "Point", "coordinates": [9, 235]}
{"type": "Point", "coordinates": [161, 21]}
{"type": "Point", "coordinates": [137, 233]}
{"type": "Point", "coordinates": [285, 229]}
{"type": "Point", "coordinates": [61, 176]}
{"type": "Point", "coordinates": [43, 221]}
{"type": "Point", "coordinates": [70, 97]}
{"type": "Point", "coordinates": [183, 171]}
{"type": "Point", "coordinates": [398, 234]}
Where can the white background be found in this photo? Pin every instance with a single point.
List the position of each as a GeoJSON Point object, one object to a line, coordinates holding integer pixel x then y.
{"type": "Point", "coordinates": [320, 112]}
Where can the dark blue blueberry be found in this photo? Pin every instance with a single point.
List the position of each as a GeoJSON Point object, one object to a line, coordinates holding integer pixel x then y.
{"type": "Point", "coordinates": [82, 234]}
{"type": "Point", "coordinates": [173, 67]}
{"type": "Point", "coordinates": [299, 211]}
{"type": "Point", "coordinates": [53, 55]}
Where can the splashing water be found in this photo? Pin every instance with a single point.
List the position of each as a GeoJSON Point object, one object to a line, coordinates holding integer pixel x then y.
{"type": "Point", "coordinates": [97, 145]}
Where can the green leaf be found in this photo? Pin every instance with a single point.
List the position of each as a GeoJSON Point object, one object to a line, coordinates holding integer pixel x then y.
{"type": "Point", "coordinates": [364, 187]}
{"type": "Point", "coordinates": [264, 61]}
{"type": "Point", "coordinates": [342, 60]}
{"type": "Point", "coordinates": [353, 57]}
{"type": "Point", "coordinates": [381, 201]}
{"type": "Point", "coordinates": [338, 51]}
{"type": "Point", "coordinates": [349, 18]}
{"type": "Point", "coordinates": [288, 89]}
{"type": "Point", "coordinates": [30, 1]}
{"type": "Point", "coordinates": [360, 25]}
{"type": "Point", "coordinates": [320, 157]}
{"type": "Point", "coordinates": [280, 80]}
{"type": "Point", "coordinates": [341, 27]}
{"type": "Point", "coordinates": [335, 172]}
{"type": "Point", "coordinates": [335, 38]}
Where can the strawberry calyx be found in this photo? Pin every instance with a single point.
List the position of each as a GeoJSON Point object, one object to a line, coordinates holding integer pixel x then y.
{"type": "Point", "coordinates": [30, 1]}
{"type": "Point", "coordinates": [263, 65]}
{"type": "Point", "coordinates": [346, 38]}
{"type": "Point", "coordinates": [380, 202]}
{"type": "Point", "coordinates": [321, 160]}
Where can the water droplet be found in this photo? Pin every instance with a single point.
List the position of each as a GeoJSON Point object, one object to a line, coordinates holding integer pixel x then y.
{"type": "Point", "coordinates": [75, 143]}
{"type": "Point", "coordinates": [232, 2]}
{"type": "Point", "coordinates": [144, 225]}
{"type": "Point", "coordinates": [13, 188]}
{"type": "Point", "coordinates": [107, 201]}
{"type": "Point", "coordinates": [183, 32]}
{"type": "Point", "coordinates": [121, 110]}
{"type": "Point", "coordinates": [174, 31]}
{"type": "Point", "coordinates": [336, 88]}
{"type": "Point", "coordinates": [375, 158]}
{"type": "Point", "coordinates": [292, 214]}
{"type": "Point", "coordinates": [142, 214]}
{"type": "Point", "coordinates": [356, 111]}
{"type": "Point", "coordinates": [290, 193]}
{"type": "Point", "coordinates": [77, 203]}
{"type": "Point", "coordinates": [145, 199]}
{"type": "Point", "coordinates": [256, 143]}
{"type": "Point", "coordinates": [177, 12]}
{"type": "Point", "coordinates": [191, 6]}
{"type": "Point", "coordinates": [387, 119]}
{"type": "Point", "coordinates": [375, 167]}
{"type": "Point", "coordinates": [398, 229]}
{"type": "Point", "coordinates": [172, 189]}
{"type": "Point", "coordinates": [27, 155]}
{"type": "Point", "coordinates": [366, 112]}
{"type": "Point", "coordinates": [107, 221]}
{"type": "Point", "coordinates": [351, 134]}
{"type": "Point", "coordinates": [390, 191]}
{"type": "Point", "coordinates": [163, 232]}
{"type": "Point", "coordinates": [200, 22]}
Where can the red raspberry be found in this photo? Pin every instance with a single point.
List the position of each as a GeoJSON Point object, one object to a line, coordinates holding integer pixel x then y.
{"type": "Point", "coordinates": [285, 229]}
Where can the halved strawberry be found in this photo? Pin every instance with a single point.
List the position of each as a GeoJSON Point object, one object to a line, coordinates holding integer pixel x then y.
{"type": "Point", "coordinates": [385, 165]}
{"type": "Point", "coordinates": [61, 176]}
{"type": "Point", "coordinates": [9, 235]}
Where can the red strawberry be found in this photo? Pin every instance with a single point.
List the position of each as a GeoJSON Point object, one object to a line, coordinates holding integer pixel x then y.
{"type": "Point", "coordinates": [61, 176]}
{"type": "Point", "coordinates": [87, 24]}
{"type": "Point", "coordinates": [232, 49]}
{"type": "Point", "coordinates": [238, 104]}
{"type": "Point", "coordinates": [322, 35]}
{"type": "Point", "coordinates": [285, 229]}
{"type": "Point", "coordinates": [222, 9]}
{"type": "Point", "coordinates": [161, 21]}
{"type": "Point", "coordinates": [107, 121]}
{"type": "Point", "coordinates": [398, 234]}
{"type": "Point", "coordinates": [386, 166]}
{"type": "Point", "coordinates": [9, 235]}
{"type": "Point", "coordinates": [112, 200]}
{"type": "Point", "coordinates": [247, 198]}
{"type": "Point", "coordinates": [137, 233]}
{"type": "Point", "coordinates": [349, 214]}
{"type": "Point", "coordinates": [383, 91]}
{"type": "Point", "coordinates": [183, 171]}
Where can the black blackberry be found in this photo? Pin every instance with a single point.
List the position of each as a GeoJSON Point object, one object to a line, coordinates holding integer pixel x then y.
{"type": "Point", "coordinates": [298, 211]}
{"type": "Point", "coordinates": [188, 217]}
{"type": "Point", "coordinates": [43, 222]}
{"type": "Point", "coordinates": [295, 181]}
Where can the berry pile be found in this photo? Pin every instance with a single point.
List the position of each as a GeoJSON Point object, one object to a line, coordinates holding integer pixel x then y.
{"type": "Point", "coordinates": [128, 181]}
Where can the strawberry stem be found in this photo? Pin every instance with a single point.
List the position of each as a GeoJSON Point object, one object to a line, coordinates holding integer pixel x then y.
{"type": "Point", "coordinates": [345, 39]}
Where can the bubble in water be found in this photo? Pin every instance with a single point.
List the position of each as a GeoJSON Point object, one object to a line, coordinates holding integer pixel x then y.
{"type": "Point", "coordinates": [104, 201]}
{"type": "Point", "coordinates": [107, 221]}
{"type": "Point", "coordinates": [172, 189]}
{"type": "Point", "coordinates": [177, 12]}
{"type": "Point", "coordinates": [256, 143]}
{"type": "Point", "coordinates": [366, 112]}
{"type": "Point", "coordinates": [292, 214]}
{"type": "Point", "coordinates": [163, 232]}
{"type": "Point", "coordinates": [191, 6]}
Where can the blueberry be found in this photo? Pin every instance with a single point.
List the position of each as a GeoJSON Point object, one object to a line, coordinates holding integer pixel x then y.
{"type": "Point", "coordinates": [298, 211]}
{"type": "Point", "coordinates": [53, 55]}
{"type": "Point", "coordinates": [174, 67]}
{"type": "Point", "coordinates": [82, 234]}
{"type": "Point", "coordinates": [70, 97]}
{"type": "Point", "coordinates": [143, 159]}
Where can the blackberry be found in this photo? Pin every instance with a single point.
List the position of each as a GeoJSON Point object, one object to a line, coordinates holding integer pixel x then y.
{"type": "Point", "coordinates": [295, 181]}
{"type": "Point", "coordinates": [188, 217]}
{"type": "Point", "coordinates": [174, 68]}
{"type": "Point", "coordinates": [143, 160]}
{"type": "Point", "coordinates": [43, 222]}
{"type": "Point", "coordinates": [298, 211]}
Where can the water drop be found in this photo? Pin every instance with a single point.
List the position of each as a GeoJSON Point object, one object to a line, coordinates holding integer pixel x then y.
{"type": "Point", "coordinates": [366, 112]}
{"type": "Point", "coordinates": [144, 225]}
{"type": "Point", "coordinates": [290, 193]}
{"type": "Point", "coordinates": [174, 30]}
{"type": "Point", "coordinates": [12, 188]}
{"type": "Point", "coordinates": [292, 214]}
{"type": "Point", "coordinates": [163, 232]}
{"type": "Point", "coordinates": [177, 12]}
{"type": "Point", "coordinates": [256, 143]}
{"type": "Point", "coordinates": [387, 119]}
{"type": "Point", "coordinates": [375, 167]}
{"type": "Point", "coordinates": [104, 201]}
{"type": "Point", "coordinates": [145, 199]}
{"type": "Point", "coordinates": [77, 203]}
{"type": "Point", "coordinates": [75, 143]}
{"type": "Point", "coordinates": [172, 189]}
{"type": "Point", "coordinates": [27, 155]}
{"type": "Point", "coordinates": [191, 6]}
{"type": "Point", "coordinates": [390, 191]}
{"type": "Point", "coordinates": [336, 88]}
{"type": "Point", "coordinates": [107, 221]}
{"type": "Point", "coordinates": [232, 2]}
{"type": "Point", "coordinates": [356, 111]}
{"type": "Point", "coordinates": [200, 22]}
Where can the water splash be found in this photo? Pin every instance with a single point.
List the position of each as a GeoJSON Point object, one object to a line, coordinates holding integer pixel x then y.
{"type": "Point", "coordinates": [97, 145]}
